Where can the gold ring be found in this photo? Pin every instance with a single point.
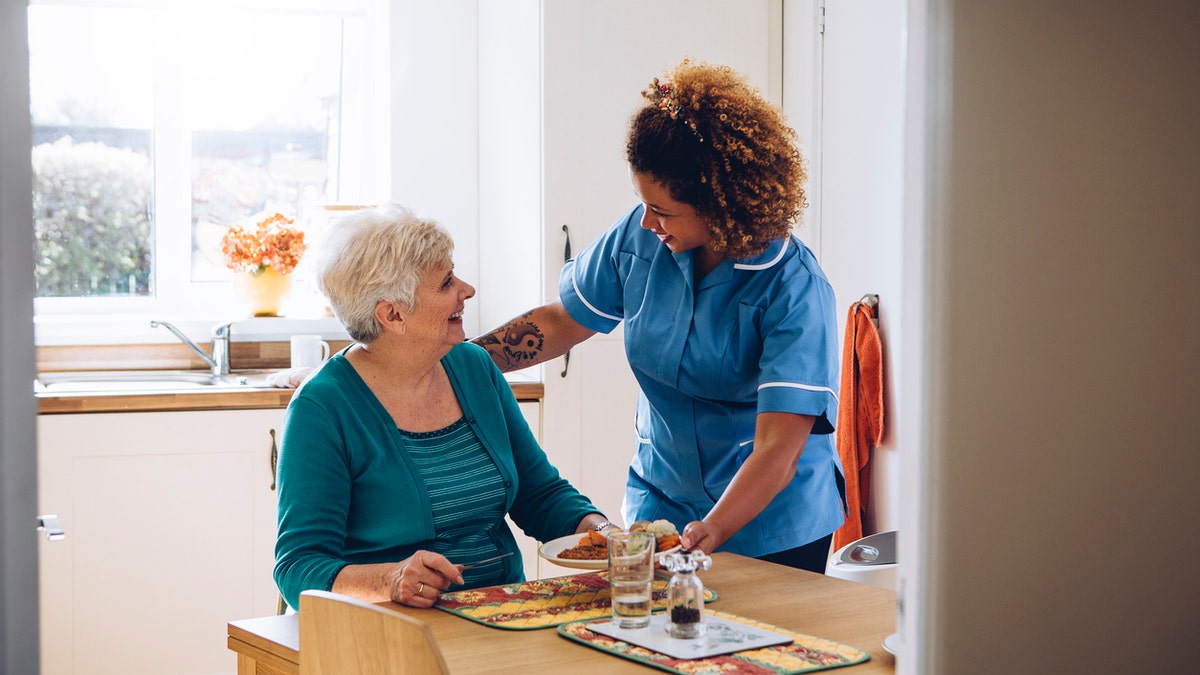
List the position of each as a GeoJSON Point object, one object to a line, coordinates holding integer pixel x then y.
{"type": "Point", "coordinates": [420, 588]}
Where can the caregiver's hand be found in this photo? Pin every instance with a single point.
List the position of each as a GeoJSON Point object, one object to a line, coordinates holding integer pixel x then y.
{"type": "Point", "coordinates": [419, 580]}
{"type": "Point", "coordinates": [702, 535]}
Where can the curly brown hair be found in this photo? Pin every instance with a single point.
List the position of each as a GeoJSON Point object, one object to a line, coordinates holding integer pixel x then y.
{"type": "Point", "coordinates": [716, 144]}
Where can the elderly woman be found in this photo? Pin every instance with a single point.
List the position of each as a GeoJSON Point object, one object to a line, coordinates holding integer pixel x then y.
{"type": "Point", "coordinates": [402, 455]}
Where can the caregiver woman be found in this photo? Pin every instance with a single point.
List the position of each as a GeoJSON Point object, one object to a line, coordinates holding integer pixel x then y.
{"type": "Point", "coordinates": [729, 325]}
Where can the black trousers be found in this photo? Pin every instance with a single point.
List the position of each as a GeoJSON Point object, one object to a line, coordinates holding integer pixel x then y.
{"type": "Point", "coordinates": [811, 556]}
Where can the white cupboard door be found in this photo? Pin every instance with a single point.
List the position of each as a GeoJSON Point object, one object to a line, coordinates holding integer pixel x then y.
{"type": "Point", "coordinates": [862, 139]}
{"type": "Point", "coordinates": [170, 524]}
{"type": "Point", "coordinates": [532, 410]}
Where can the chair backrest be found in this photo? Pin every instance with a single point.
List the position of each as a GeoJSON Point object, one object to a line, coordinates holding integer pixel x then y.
{"type": "Point", "coordinates": [346, 636]}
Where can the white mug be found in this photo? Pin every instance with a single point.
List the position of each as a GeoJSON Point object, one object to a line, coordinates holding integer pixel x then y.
{"type": "Point", "coordinates": [308, 351]}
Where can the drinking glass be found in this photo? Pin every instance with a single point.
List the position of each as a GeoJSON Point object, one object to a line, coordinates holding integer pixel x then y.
{"type": "Point", "coordinates": [631, 573]}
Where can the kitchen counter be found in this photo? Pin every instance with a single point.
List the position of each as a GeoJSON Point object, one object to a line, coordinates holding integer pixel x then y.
{"type": "Point", "coordinates": [254, 360]}
{"type": "Point", "coordinates": [156, 401]}
{"type": "Point", "coordinates": [254, 395]}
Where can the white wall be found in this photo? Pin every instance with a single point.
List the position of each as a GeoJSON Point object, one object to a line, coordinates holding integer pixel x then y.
{"type": "Point", "coordinates": [510, 160]}
{"type": "Point", "coordinates": [801, 53]}
{"type": "Point", "coordinates": [18, 455]}
{"type": "Point", "coordinates": [1060, 158]}
{"type": "Point", "coordinates": [466, 141]}
{"type": "Point", "coordinates": [435, 122]}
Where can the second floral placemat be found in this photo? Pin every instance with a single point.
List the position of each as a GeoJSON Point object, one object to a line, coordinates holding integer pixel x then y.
{"type": "Point", "coordinates": [545, 603]}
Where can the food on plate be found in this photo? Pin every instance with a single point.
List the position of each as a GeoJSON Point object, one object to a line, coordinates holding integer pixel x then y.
{"type": "Point", "coordinates": [666, 537]}
{"type": "Point", "coordinates": [594, 545]}
{"type": "Point", "coordinates": [585, 551]}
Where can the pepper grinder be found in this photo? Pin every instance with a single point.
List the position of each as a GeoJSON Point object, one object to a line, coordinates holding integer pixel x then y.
{"type": "Point", "coordinates": [685, 594]}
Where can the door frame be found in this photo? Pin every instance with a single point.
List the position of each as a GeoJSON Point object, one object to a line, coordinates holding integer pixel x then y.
{"type": "Point", "coordinates": [18, 408]}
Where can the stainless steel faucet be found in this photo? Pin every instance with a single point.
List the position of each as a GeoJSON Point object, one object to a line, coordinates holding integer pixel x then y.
{"type": "Point", "coordinates": [218, 361]}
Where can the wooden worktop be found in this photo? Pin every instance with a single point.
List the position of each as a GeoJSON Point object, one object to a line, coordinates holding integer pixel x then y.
{"type": "Point", "coordinates": [243, 355]}
{"type": "Point", "coordinates": [158, 401]}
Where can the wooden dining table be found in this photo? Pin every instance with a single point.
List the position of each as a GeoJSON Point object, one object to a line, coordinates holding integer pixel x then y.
{"type": "Point", "coordinates": [855, 614]}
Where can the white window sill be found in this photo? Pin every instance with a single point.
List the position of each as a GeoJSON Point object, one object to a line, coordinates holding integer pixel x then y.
{"type": "Point", "coordinates": [124, 329]}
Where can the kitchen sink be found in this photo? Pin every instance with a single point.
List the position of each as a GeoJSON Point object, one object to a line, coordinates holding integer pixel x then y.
{"type": "Point", "coordinates": [144, 380]}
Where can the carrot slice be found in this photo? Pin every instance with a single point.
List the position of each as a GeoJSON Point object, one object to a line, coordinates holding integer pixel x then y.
{"type": "Point", "coordinates": [596, 537]}
{"type": "Point", "coordinates": [668, 542]}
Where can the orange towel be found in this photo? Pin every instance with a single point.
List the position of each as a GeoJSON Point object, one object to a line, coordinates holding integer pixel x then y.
{"type": "Point", "coordinates": [860, 415]}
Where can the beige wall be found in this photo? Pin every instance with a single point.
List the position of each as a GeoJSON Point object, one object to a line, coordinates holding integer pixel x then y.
{"type": "Point", "coordinates": [1061, 331]}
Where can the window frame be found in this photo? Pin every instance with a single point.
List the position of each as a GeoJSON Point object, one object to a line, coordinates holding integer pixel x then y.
{"type": "Point", "coordinates": [363, 169]}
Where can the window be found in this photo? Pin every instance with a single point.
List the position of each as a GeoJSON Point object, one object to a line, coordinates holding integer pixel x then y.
{"type": "Point", "coordinates": [156, 127]}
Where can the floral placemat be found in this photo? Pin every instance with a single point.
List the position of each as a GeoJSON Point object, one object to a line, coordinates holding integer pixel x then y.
{"type": "Point", "coordinates": [805, 655]}
{"type": "Point", "coordinates": [545, 603]}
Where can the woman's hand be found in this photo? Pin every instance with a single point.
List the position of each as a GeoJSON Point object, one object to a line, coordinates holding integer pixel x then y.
{"type": "Point", "coordinates": [779, 440]}
{"type": "Point", "coordinates": [418, 581]}
{"type": "Point", "coordinates": [596, 521]}
{"type": "Point", "coordinates": [701, 535]}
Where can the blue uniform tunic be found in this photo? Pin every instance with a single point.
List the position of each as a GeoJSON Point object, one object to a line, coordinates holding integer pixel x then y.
{"type": "Point", "coordinates": [756, 335]}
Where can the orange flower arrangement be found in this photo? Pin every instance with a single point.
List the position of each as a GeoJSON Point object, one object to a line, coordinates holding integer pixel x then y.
{"type": "Point", "coordinates": [269, 241]}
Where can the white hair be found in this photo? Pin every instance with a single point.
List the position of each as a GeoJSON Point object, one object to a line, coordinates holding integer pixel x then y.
{"type": "Point", "coordinates": [375, 255]}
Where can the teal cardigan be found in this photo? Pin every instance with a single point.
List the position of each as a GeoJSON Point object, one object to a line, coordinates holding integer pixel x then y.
{"type": "Point", "coordinates": [350, 494]}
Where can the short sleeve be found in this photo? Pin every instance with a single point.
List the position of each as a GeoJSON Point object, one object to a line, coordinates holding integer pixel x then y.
{"type": "Point", "coordinates": [799, 366]}
{"type": "Point", "coordinates": [591, 285]}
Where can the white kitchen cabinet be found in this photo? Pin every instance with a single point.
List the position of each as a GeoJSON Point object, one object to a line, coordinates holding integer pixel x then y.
{"type": "Point", "coordinates": [532, 410]}
{"type": "Point", "coordinates": [170, 533]}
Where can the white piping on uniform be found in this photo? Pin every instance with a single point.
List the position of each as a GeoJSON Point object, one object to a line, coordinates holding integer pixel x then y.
{"type": "Point", "coordinates": [763, 266]}
{"type": "Point", "coordinates": [806, 387]}
{"type": "Point", "coordinates": [589, 305]}
{"type": "Point", "coordinates": [742, 444]}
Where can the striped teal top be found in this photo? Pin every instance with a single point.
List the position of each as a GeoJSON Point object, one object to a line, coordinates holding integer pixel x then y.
{"type": "Point", "coordinates": [467, 493]}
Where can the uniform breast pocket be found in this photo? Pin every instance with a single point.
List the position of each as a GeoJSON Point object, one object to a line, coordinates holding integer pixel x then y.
{"type": "Point", "coordinates": [739, 365]}
{"type": "Point", "coordinates": [635, 290]}
{"type": "Point", "coordinates": [649, 318]}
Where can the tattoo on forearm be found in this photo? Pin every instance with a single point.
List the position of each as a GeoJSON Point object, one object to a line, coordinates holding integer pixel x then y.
{"type": "Point", "coordinates": [486, 341]}
{"type": "Point", "coordinates": [523, 341]}
{"type": "Point", "coordinates": [518, 343]}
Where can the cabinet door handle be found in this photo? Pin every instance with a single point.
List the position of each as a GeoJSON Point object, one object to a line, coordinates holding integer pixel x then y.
{"type": "Point", "coordinates": [274, 457]}
{"type": "Point", "coordinates": [49, 524]}
{"type": "Point", "coordinates": [566, 257]}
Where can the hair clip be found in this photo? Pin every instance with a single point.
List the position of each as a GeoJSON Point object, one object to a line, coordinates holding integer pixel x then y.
{"type": "Point", "coordinates": [670, 105]}
{"type": "Point", "coordinates": [667, 102]}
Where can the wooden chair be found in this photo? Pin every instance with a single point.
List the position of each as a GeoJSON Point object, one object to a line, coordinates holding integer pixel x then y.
{"type": "Point", "coordinates": [340, 635]}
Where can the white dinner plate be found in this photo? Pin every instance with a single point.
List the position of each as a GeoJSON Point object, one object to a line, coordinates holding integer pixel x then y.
{"type": "Point", "coordinates": [891, 643]}
{"type": "Point", "coordinates": [552, 548]}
